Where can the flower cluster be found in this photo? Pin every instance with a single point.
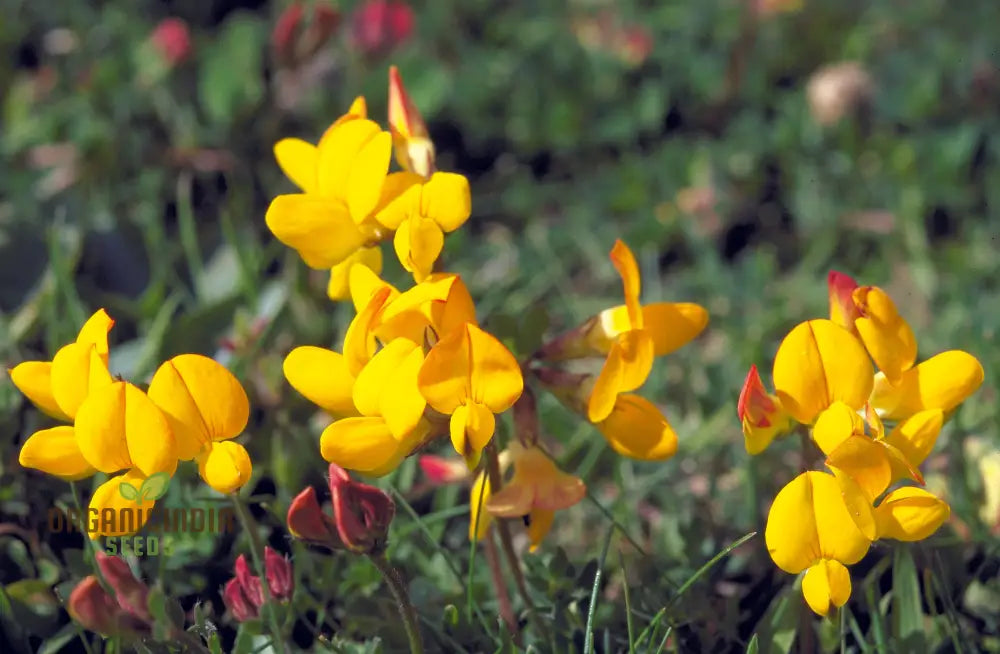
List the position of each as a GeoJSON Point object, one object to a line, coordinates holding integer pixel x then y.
{"type": "Point", "coordinates": [191, 410]}
{"type": "Point", "coordinates": [244, 596]}
{"type": "Point", "coordinates": [825, 380]}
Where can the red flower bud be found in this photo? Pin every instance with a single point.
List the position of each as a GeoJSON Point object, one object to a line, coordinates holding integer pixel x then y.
{"type": "Point", "coordinates": [295, 38]}
{"type": "Point", "coordinates": [361, 512]}
{"type": "Point", "coordinates": [754, 403]}
{"type": "Point", "coordinates": [237, 601]}
{"type": "Point", "coordinates": [172, 39]}
{"type": "Point", "coordinates": [843, 310]}
{"type": "Point", "coordinates": [132, 595]}
{"type": "Point", "coordinates": [280, 579]}
{"type": "Point", "coordinates": [441, 470]}
{"type": "Point", "coordinates": [249, 582]}
{"type": "Point", "coordinates": [381, 25]}
{"type": "Point", "coordinates": [95, 610]}
{"type": "Point", "coordinates": [306, 521]}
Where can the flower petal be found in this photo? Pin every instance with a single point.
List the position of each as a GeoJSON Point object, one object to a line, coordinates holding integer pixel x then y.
{"type": "Point", "coordinates": [338, 149]}
{"type": "Point", "coordinates": [624, 262]}
{"type": "Point", "coordinates": [366, 445]}
{"type": "Point", "coordinates": [637, 429]}
{"type": "Point", "coordinates": [942, 382]}
{"type": "Point", "coordinates": [364, 282]}
{"type": "Point", "coordinates": [673, 325]}
{"type": "Point", "coordinates": [418, 243]}
{"type": "Point", "coordinates": [843, 311]}
{"type": "Point", "coordinates": [817, 364]}
{"type": "Point", "coordinates": [34, 379]}
{"type": "Point", "coordinates": [865, 461]}
{"type": "Point", "coordinates": [471, 427]}
{"type": "Point", "coordinates": [479, 521]}
{"type": "Point", "coordinates": [320, 230]}
{"type": "Point", "coordinates": [608, 384]}
{"type": "Point", "coordinates": [367, 176]}
{"type": "Point", "coordinates": [835, 425]}
{"type": "Point", "coordinates": [322, 377]}
{"type": "Point", "coordinates": [539, 525]}
{"type": "Point", "coordinates": [359, 341]}
{"type": "Point", "coordinates": [826, 584]}
{"type": "Point", "coordinates": [55, 452]}
{"type": "Point", "coordinates": [910, 514]}
{"type": "Point", "coordinates": [95, 332]}
{"type": "Point", "coordinates": [225, 466]}
{"type": "Point", "coordinates": [202, 400]}
{"type": "Point", "coordinates": [387, 387]}
{"type": "Point", "coordinates": [111, 514]}
{"type": "Point", "coordinates": [299, 161]}
{"type": "Point", "coordinates": [915, 437]}
{"type": "Point", "coordinates": [339, 287]}
{"type": "Point", "coordinates": [887, 337]}
{"type": "Point", "coordinates": [446, 200]}
{"type": "Point", "coordinates": [77, 369]}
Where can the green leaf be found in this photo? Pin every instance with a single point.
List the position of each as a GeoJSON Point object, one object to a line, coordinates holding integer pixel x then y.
{"type": "Point", "coordinates": [753, 646]}
{"type": "Point", "coordinates": [154, 487]}
{"type": "Point", "coordinates": [223, 93]}
{"type": "Point", "coordinates": [776, 630]}
{"type": "Point", "coordinates": [128, 491]}
{"type": "Point", "coordinates": [907, 614]}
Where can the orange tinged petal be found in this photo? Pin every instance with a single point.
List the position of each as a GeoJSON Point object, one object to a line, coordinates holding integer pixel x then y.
{"type": "Point", "coordinates": [628, 269]}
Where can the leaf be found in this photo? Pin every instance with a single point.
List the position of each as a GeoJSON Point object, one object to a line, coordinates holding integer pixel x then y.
{"type": "Point", "coordinates": [128, 491]}
{"type": "Point", "coordinates": [776, 630]}
{"type": "Point", "coordinates": [753, 646]}
{"type": "Point", "coordinates": [154, 487]}
{"type": "Point", "coordinates": [222, 93]}
{"type": "Point", "coordinates": [907, 612]}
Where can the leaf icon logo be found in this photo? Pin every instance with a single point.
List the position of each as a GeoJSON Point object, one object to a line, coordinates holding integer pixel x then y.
{"type": "Point", "coordinates": [152, 488]}
{"type": "Point", "coordinates": [128, 491]}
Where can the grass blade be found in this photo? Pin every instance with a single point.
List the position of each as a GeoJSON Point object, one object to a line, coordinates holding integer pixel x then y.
{"type": "Point", "coordinates": [588, 645]}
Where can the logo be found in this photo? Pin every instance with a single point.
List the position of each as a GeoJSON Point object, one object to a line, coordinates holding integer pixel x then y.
{"type": "Point", "coordinates": [152, 488]}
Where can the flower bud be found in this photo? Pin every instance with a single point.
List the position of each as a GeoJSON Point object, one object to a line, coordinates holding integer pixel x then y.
{"type": "Point", "coordinates": [441, 470]}
{"type": "Point", "coordinates": [249, 582]}
{"type": "Point", "coordinates": [295, 38]}
{"type": "Point", "coordinates": [172, 40]}
{"type": "Point", "coordinates": [413, 146]}
{"type": "Point", "coordinates": [132, 595]}
{"type": "Point", "coordinates": [379, 26]}
{"type": "Point", "coordinates": [843, 311]}
{"type": "Point", "coordinates": [280, 579]}
{"type": "Point", "coordinates": [306, 521]}
{"type": "Point", "coordinates": [237, 602]}
{"type": "Point", "coordinates": [761, 414]}
{"type": "Point", "coordinates": [95, 610]}
{"type": "Point", "coordinates": [362, 513]}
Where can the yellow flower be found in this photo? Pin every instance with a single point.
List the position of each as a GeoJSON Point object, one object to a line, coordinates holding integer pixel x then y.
{"type": "Point", "coordinates": [470, 376]}
{"type": "Point", "coordinates": [339, 287]}
{"type": "Point", "coordinates": [817, 364]}
{"type": "Point", "coordinates": [412, 143]}
{"type": "Point", "coordinates": [809, 527]}
{"type": "Point", "coordinates": [942, 382]}
{"type": "Point", "coordinates": [206, 407]}
{"type": "Point", "coordinates": [637, 429]}
{"type": "Point", "coordinates": [910, 514]}
{"type": "Point", "coordinates": [59, 388]}
{"type": "Point", "coordinates": [761, 414]}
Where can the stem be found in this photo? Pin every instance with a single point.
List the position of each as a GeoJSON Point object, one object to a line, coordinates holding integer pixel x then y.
{"type": "Point", "coordinates": [503, 597]}
{"type": "Point", "coordinates": [189, 231]}
{"type": "Point", "coordinates": [406, 610]}
{"type": "Point", "coordinates": [257, 553]}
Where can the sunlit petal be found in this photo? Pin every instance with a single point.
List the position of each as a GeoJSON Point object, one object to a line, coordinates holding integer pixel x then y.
{"type": "Point", "coordinates": [34, 379]}
{"type": "Point", "coordinates": [637, 429]}
{"type": "Point", "coordinates": [942, 382]}
{"type": "Point", "coordinates": [319, 229]}
{"type": "Point", "coordinates": [826, 584]}
{"type": "Point", "coordinates": [225, 466]}
{"type": "Point", "coordinates": [299, 161]}
{"type": "Point", "coordinates": [55, 451]}
{"type": "Point", "coordinates": [910, 514]}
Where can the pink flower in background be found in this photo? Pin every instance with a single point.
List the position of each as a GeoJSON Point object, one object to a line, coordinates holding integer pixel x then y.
{"type": "Point", "coordinates": [299, 32]}
{"type": "Point", "coordinates": [378, 26]}
{"type": "Point", "coordinates": [172, 39]}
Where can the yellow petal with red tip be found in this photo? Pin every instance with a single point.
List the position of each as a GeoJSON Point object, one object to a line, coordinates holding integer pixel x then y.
{"type": "Point", "coordinates": [77, 370]}
{"type": "Point", "coordinates": [367, 176]}
{"type": "Point", "coordinates": [322, 377]}
{"type": "Point", "coordinates": [299, 161]}
{"type": "Point", "coordinates": [365, 445]}
{"type": "Point", "coordinates": [887, 337]}
{"type": "Point", "coordinates": [910, 514]}
{"type": "Point", "coordinates": [418, 243]}
{"type": "Point", "coordinates": [843, 311]}
{"type": "Point", "coordinates": [479, 519]}
{"type": "Point", "coordinates": [55, 451]}
{"type": "Point", "coordinates": [339, 287]}
{"type": "Point", "coordinates": [320, 230]}
{"type": "Point", "coordinates": [809, 521]}
{"type": "Point", "coordinates": [826, 584]}
{"type": "Point", "coordinates": [818, 364]}
{"type": "Point", "coordinates": [404, 118]}
{"type": "Point", "coordinates": [539, 525]}
{"type": "Point", "coordinates": [34, 379]}
{"type": "Point", "coordinates": [835, 425]}
{"type": "Point", "coordinates": [471, 428]}
{"type": "Point", "coordinates": [95, 332]}
{"type": "Point", "coordinates": [628, 269]}
{"type": "Point", "coordinates": [446, 200]}
{"type": "Point", "coordinates": [866, 462]}
{"type": "Point", "coordinates": [915, 437]}
{"type": "Point", "coordinates": [637, 429]}
{"type": "Point", "coordinates": [225, 466]}
{"type": "Point", "coordinates": [338, 149]}
{"type": "Point", "coordinates": [111, 514]}
{"type": "Point", "coordinates": [942, 382]}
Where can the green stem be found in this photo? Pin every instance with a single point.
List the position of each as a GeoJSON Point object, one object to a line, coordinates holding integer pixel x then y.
{"type": "Point", "coordinates": [189, 231]}
{"type": "Point", "coordinates": [406, 610]}
{"type": "Point", "coordinates": [257, 554]}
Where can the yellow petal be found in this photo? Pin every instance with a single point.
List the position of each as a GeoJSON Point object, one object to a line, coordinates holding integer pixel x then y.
{"type": "Point", "coordinates": [202, 400]}
{"type": "Point", "coordinates": [418, 243]}
{"type": "Point", "coordinates": [119, 427]}
{"type": "Point", "coordinates": [808, 521]}
{"type": "Point", "coordinates": [446, 200]}
{"type": "Point", "coordinates": [537, 484]}
{"type": "Point", "coordinates": [471, 427]}
{"type": "Point", "coordinates": [359, 341]}
{"type": "Point", "coordinates": [628, 269]}
{"type": "Point", "coordinates": [339, 288]}
{"type": "Point", "coordinates": [539, 525]}
{"type": "Point", "coordinates": [885, 334]}
{"type": "Point", "coordinates": [910, 514]}
{"type": "Point", "coordinates": [479, 520]}
{"type": "Point", "coordinates": [55, 451]}
{"type": "Point", "coordinates": [866, 462]}
{"type": "Point", "coordinates": [320, 230]}
{"type": "Point", "coordinates": [358, 108]}
{"type": "Point", "coordinates": [401, 403]}
{"type": "Point", "coordinates": [365, 445]}
{"type": "Point", "coordinates": [441, 302]}
{"type": "Point", "coordinates": [77, 369]}
{"type": "Point", "coordinates": [942, 382]}
{"type": "Point", "coordinates": [111, 514]}
{"type": "Point", "coordinates": [673, 325]}
{"type": "Point", "coordinates": [225, 466]}
{"type": "Point", "coordinates": [915, 437]}
{"type": "Point", "coordinates": [858, 503]}
{"type": "Point", "coordinates": [637, 429]}
{"type": "Point", "coordinates": [367, 175]}
{"type": "Point", "coordinates": [637, 357]}
{"type": "Point", "coordinates": [322, 377]}
{"type": "Point", "coordinates": [95, 332]}
{"type": "Point", "coordinates": [377, 379]}
{"type": "Point", "coordinates": [34, 379]}
{"type": "Point", "coordinates": [835, 425]}
{"type": "Point", "coordinates": [843, 311]}
{"type": "Point", "coordinates": [299, 161]}
{"type": "Point", "coordinates": [400, 200]}
{"type": "Point", "coordinates": [469, 363]}
{"type": "Point", "coordinates": [817, 364]}
{"type": "Point", "coordinates": [826, 584]}
{"type": "Point", "coordinates": [338, 149]}
{"type": "Point", "coordinates": [365, 282]}
{"type": "Point", "coordinates": [607, 386]}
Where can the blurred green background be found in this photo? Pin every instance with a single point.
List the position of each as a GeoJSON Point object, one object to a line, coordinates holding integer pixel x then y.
{"type": "Point", "coordinates": [742, 149]}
